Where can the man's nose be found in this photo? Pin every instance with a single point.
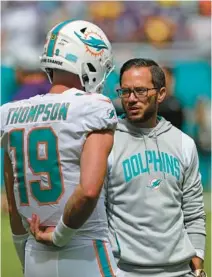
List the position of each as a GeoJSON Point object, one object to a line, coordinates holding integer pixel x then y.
{"type": "Point", "coordinates": [132, 97]}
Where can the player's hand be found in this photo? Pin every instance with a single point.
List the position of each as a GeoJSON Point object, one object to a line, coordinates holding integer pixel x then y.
{"type": "Point", "coordinates": [41, 234]}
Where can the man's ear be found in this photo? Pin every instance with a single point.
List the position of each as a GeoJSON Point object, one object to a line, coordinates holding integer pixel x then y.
{"type": "Point", "coordinates": [161, 95]}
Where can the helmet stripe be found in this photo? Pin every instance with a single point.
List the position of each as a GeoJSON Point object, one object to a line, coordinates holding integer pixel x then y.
{"type": "Point", "coordinates": [53, 38]}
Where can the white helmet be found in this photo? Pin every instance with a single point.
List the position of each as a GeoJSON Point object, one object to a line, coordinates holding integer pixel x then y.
{"type": "Point", "coordinates": [79, 47]}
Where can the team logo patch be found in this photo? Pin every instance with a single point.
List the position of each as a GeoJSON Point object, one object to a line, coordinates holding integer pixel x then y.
{"type": "Point", "coordinates": [110, 114]}
{"type": "Point", "coordinates": [93, 42]}
{"type": "Point", "coordinates": [155, 184]}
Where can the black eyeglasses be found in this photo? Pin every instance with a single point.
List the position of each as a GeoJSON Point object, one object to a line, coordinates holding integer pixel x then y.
{"type": "Point", "coordinates": [139, 92]}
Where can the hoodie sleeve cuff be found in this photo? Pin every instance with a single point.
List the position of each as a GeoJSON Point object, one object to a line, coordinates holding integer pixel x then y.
{"type": "Point", "coordinates": [200, 253]}
{"type": "Point", "coordinates": [198, 241]}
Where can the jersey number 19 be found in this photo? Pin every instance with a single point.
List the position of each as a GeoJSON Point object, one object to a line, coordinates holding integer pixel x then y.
{"type": "Point", "coordinates": [47, 164]}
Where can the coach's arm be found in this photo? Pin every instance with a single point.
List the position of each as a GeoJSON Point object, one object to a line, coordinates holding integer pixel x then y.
{"type": "Point", "coordinates": [193, 207]}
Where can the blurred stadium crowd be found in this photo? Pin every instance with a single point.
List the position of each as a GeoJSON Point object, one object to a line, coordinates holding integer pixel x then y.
{"type": "Point", "coordinates": [176, 34]}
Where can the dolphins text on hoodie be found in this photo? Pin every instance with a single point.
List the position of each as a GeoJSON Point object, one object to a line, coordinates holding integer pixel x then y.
{"type": "Point", "coordinates": [154, 196]}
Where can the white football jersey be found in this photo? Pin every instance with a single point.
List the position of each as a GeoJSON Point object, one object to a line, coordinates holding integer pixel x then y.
{"type": "Point", "coordinates": [44, 136]}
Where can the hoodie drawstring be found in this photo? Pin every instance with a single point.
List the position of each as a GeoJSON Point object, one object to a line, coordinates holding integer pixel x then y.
{"type": "Point", "coordinates": [159, 154]}
{"type": "Point", "coordinates": [146, 149]}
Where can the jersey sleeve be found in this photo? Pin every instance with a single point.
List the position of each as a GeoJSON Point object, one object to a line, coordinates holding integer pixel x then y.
{"type": "Point", "coordinates": [3, 116]}
{"type": "Point", "coordinates": [101, 115]}
{"type": "Point", "coordinates": [2, 119]}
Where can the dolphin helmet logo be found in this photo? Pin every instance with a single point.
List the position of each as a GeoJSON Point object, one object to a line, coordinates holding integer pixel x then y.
{"type": "Point", "coordinates": [93, 42]}
{"type": "Point", "coordinates": [155, 184]}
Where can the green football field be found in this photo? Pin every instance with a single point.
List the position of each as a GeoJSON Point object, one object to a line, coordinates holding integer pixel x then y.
{"type": "Point", "coordinates": [10, 266]}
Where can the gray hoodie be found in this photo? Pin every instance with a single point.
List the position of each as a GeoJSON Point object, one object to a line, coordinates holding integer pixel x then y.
{"type": "Point", "coordinates": [154, 200]}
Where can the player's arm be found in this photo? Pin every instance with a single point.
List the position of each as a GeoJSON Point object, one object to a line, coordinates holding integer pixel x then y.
{"type": "Point", "coordinates": [93, 167]}
{"type": "Point", "coordinates": [80, 205]}
{"type": "Point", "coordinates": [19, 233]}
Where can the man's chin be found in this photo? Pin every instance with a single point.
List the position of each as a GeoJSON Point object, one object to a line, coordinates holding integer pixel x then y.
{"type": "Point", "coordinates": [135, 118]}
{"type": "Point", "coordinates": [141, 117]}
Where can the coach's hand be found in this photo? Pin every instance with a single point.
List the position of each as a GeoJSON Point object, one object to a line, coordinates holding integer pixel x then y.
{"type": "Point", "coordinates": [41, 234]}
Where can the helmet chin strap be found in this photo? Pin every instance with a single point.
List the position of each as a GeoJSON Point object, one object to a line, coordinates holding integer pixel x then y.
{"type": "Point", "coordinates": [49, 74]}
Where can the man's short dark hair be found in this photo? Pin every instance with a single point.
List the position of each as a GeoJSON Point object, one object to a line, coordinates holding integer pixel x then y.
{"type": "Point", "coordinates": [158, 76]}
{"type": "Point", "coordinates": [169, 70]}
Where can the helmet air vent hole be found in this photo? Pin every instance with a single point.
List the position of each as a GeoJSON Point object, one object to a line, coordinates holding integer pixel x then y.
{"type": "Point", "coordinates": [83, 30]}
{"type": "Point", "coordinates": [91, 67]}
